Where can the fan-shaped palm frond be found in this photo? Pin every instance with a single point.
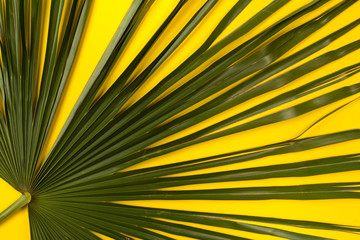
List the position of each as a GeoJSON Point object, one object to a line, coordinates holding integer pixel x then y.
{"type": "Point", "coordinates": [118, 144]}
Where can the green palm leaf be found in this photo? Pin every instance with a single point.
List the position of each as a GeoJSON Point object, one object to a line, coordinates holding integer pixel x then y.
{"type": "Point", "coordinates": [115, 146]}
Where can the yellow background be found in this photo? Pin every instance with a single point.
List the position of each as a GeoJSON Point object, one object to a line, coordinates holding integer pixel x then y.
{"type": "Point", "coordinates": [105, 17]}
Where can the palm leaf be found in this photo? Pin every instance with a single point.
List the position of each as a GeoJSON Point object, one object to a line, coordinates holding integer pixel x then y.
{"type": "Point", "coordinates": [116, 146]}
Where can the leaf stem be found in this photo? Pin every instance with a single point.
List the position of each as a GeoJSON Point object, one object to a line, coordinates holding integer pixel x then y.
{"type": "Point", "coordinates": [19, 203]}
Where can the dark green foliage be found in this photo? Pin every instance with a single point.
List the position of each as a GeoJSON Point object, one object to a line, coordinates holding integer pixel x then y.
{"type": "Point", "coordinates": [87, 167]}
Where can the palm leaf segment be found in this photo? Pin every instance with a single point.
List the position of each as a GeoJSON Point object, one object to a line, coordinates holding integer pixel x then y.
{"type": "Point", "coordinates": [73, 191]}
